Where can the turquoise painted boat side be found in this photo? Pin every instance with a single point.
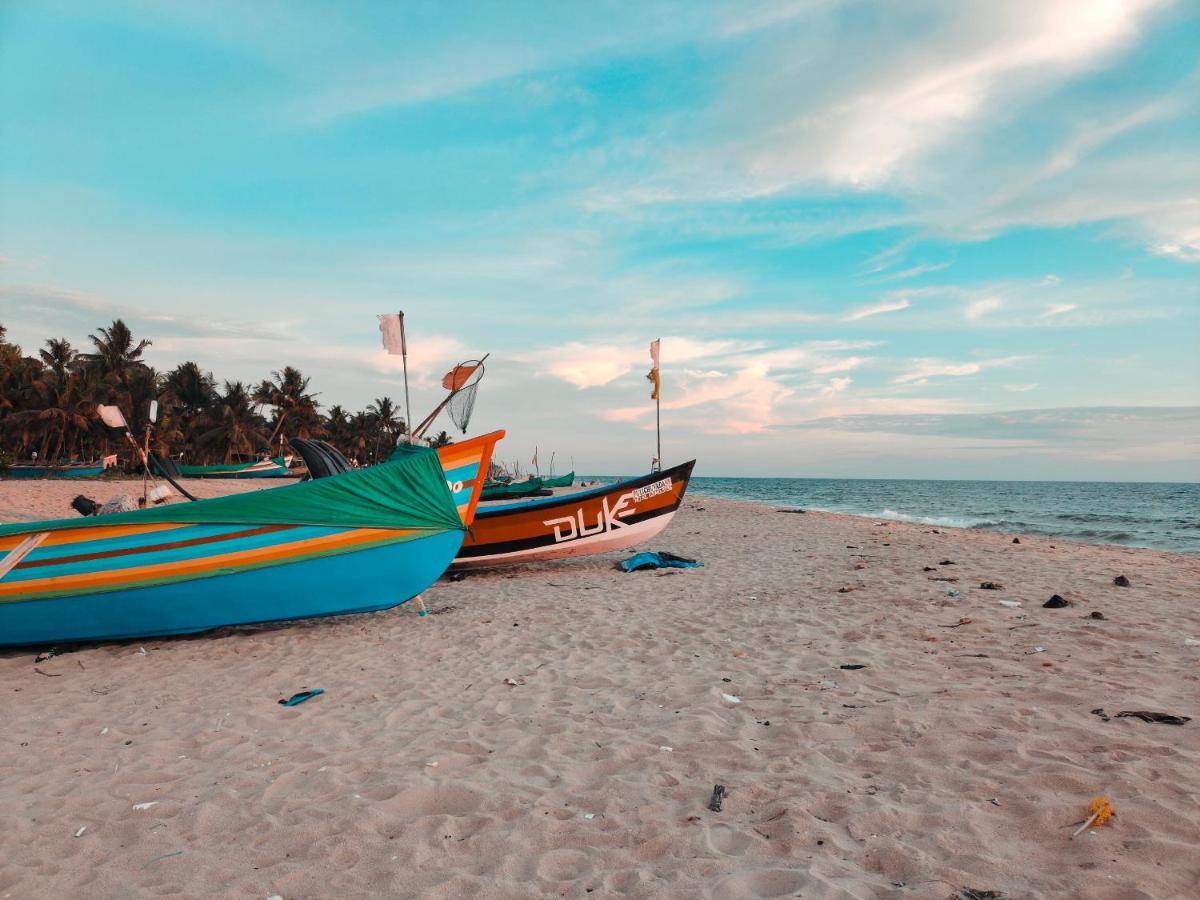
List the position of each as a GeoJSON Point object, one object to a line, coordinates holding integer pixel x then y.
{"type": "Point", "coordinates": [259, 473]}
{"type": "Point", "coordinates": [150, 553]}
{"type": "Point", "coordinates": [462, 478]}
{"type": "Point", "coordinates": [26, 472]}
{"type": "Point", "coordinates": [534, 502]}
{"type": "Point", "coordinates": [359, 581]}
{"type": "Point", "coordinates": [138, 539]}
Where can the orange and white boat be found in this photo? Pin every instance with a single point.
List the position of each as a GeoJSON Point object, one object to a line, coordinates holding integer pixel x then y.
{"type": "Point", "coordinates": [610, 517]}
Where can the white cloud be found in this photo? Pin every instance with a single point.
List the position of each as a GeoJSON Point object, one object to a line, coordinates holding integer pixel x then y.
{"type": "Point", "coordinates": [589, 364]}
{"type": "Point", "coordinates": [923, 369]}
{"type": "Point", "coordinates": [922, 102]}
{"type": "Point", "coordinates": [976, 309]}
{"type": "Point", "coordinates": [746, 392]}
{"type": "Point", "coordinates": [1020, 388]}
{"type": "Point", "coordinates": [1057, 309]}
{"type": "Point", "coordinates": [585, 365]}
{"type": "Point", "coordinates": [835, 386]}
{"type": "Point", "coordinates": [876, 309]}
{"type": "Point", "coordinates": [914, 271]}
{"type": "Point", "coordinates": [899, 105]}
{"type": "Point", "coordinates": [840, 365]}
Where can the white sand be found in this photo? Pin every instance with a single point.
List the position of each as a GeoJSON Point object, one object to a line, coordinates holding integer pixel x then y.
{"type": "Point", "coordinates": [958, 757]}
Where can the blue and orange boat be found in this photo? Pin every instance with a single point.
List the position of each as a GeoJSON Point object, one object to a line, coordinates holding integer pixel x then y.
{"type": "Point", "coordinates": [361, 541]}
{"type": "Point", "coordinates": [61, 470]}
{"type": "Point", "coordinates": [275, 467]}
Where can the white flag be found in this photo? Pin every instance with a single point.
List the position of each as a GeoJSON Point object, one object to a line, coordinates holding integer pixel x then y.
{"type": "Point", "coordinates": [111, 416]}
{"type": "Point", "coordinates": [391, 326]}
{"type": "Point", "coordinates": [654, 352]}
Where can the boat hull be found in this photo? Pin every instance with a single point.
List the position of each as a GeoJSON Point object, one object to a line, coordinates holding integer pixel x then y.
{"type": "Point", "coordinates": [266, 468]}
{"type": "Point", "coordinates": [613, 517]}
{"type": "Point", "coordinates": [27, 472]}
{"type": "Point", "coordinates": [512, 490]}
{"type": "Point", "coordinates": [373, 575]}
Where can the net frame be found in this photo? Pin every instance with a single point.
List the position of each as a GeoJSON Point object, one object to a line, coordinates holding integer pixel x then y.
{"type": "Point", "coordinates": [462, 382]}
{"type": "Point", "coordinates": [461, 401]}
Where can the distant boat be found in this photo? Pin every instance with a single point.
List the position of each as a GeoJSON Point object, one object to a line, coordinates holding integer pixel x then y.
{"type": "Point", "coordinates": [556, 481]}
{"type": "Point", "coordinates": [263, 468]}
{"type": "Point", "coordinates": [512, 490]}
{"type": "Point", "coordinates": [364, 540]}
{"type": "Point", "coordinates": [610, 517]}
{"type": "Point", "coordinates": [66, 470]}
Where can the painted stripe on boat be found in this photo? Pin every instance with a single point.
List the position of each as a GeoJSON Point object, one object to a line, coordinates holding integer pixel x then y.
{"type": "Point", "coordinates": [96, 582]}
{"type": "Point", "coordinates": [88, 532]}
{"type": "Point", "coordinates": [145, 541]}
{"type": "Point", "coordinates": [247, 539]}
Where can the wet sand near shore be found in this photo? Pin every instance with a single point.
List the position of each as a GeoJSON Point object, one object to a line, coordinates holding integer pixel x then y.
{"type": "Point", "coordinates": [557, 729]}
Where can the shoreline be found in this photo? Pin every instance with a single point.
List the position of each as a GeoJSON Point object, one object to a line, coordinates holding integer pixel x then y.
{"type": "Point", "coordinates": [921, 523]}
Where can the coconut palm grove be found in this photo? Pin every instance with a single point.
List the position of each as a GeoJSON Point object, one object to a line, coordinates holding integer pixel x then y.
{"type": "Point", "coordinates": [48, 406]}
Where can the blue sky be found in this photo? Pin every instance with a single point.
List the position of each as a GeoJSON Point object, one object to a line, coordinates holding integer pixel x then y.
{"type": "Point", "coordinates": [956, 239]}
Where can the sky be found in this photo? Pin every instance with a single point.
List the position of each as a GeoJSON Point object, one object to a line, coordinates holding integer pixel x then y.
{"type": "Point", "coordinates": [931, 238]}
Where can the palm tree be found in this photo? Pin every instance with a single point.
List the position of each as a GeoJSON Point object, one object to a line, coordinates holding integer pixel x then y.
{"type": "Point", "coordinates": [287, 392]}
{"type": "Point", "coordinates": [116, 373]}
{"type": "Point", "coordinates": [189, 394]}
{"type": "Point", "coordinates": [362, 433]}
{"type": "Point", "coordinates": [62, 411]}
{"type": "Point", "coordinates": [59, 356]}
{"type": "Point", "coordinates": [234, 424]}
{"type": "Point", "coordinates": [387, 422]}
{"type": "Point", "coordinates": [441, 440]}
{"type": "Point", "coordinates": [337, 428]}
{"type": "Point", "coordinates": [116, 354]}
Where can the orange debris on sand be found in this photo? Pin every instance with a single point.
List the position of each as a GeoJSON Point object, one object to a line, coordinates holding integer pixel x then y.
{"type": "Point", "coordinates": [1102, 810]}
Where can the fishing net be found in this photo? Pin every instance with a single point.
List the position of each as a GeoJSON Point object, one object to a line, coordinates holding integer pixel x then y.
{"type": "Point", "coordinates": [463, 383]}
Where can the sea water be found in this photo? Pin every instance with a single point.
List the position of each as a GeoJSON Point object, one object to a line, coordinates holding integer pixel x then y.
{"type": "Point", "coordinates": [1158, 515]}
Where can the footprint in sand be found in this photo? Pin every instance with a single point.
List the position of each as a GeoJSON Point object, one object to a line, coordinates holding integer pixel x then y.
{"type": "Point", "coordinates": [762, 883]}
{"type": "Point", "coordinates": [563, 865]}
{"type": "Point", "coordinates": [446, 800]}
{"type": "Point", "coordinates": [727, 840]}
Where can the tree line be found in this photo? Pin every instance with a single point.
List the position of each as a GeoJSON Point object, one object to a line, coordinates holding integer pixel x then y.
{"type": "Point", "coordinates": [48, 407]}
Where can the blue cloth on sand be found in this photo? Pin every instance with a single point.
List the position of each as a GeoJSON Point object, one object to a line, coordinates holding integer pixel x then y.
{"type": "Point", "coordinates": [301, 697]}
{"type": "Point", "coordinates": [651, 560]}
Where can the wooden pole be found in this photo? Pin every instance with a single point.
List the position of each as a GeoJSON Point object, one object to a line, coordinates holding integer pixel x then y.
{"type": "Point", "coordinates": [658, 425]}
{"type": "Point", "coordinates": [407, 405]}
{"type": "Point", "coordinates": [146, 466]}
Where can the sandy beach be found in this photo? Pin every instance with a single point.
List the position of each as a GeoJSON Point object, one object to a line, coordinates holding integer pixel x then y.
{"type": "Point", "coordinates": [558, 729]}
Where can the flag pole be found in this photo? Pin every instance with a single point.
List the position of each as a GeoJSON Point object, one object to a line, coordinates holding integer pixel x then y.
{"type": "Point", "coordinates": [658, 424]}
{"type": "Point", "coordinates": [407, 405]}
{"type": "Point", "coordinates": [656, 377]}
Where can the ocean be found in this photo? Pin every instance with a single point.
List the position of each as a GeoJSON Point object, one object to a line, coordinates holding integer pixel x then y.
{"type": "Point", "coordinates": [1156, 515]}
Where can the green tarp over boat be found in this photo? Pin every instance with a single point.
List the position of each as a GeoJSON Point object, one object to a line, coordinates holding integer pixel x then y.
{"type": "Point", "coordinates": [511, 491]}
{"type": "Point", "coordinates": [559, 480]}
{"type": "Point", "coordinates": [406, 493]}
